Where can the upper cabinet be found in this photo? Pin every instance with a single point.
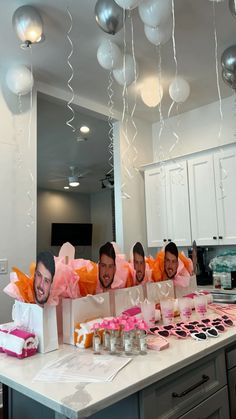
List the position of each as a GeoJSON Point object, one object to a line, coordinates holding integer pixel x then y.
{"type": "Point", "coordinates": [213, 197]}
{"type": "Point", "coordinates": [167, 205]}
{"type": "Point", "coordinates": [203, 199]}
{"type": "Point", "coordinates": [225, 179]}
{"type": "Point", "coordinates": [193, 199]}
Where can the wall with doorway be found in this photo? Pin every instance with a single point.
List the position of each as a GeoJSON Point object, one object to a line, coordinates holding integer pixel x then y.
{"type": "Point", "coordinates": [129, 181]}
{"type": "Point", "coordinates": [17, 188]}
{"type": "Point", "coordinates": [61, 207]}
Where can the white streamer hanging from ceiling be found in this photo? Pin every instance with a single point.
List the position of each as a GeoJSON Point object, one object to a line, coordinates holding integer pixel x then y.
{"type": "Point", "coordinates": [110, 93]}
{"type": "Point", "coordinates": [124, 119]}
{"type": "Point", "coordinates": [176, 73]}
{"type": "Point", "coordinates": [134, 149]}
{"type": "Point", "coordinates": [30, 191]}
{"type": "Point", "coordinates": [223, 171]}
{"type": "Point", "coordinates": [69, 121]}
{"type": "Point", "coordinates": [160, 155]}
{"type": "Point", "coordinates": [217, 71]}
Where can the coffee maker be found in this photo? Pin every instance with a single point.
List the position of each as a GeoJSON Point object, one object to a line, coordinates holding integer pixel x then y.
{"type": "Point", "coordinates": [203, 273]}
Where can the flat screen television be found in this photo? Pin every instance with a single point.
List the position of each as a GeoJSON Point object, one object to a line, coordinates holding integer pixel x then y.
{"type": "Point", "coordinates": [77, 234]}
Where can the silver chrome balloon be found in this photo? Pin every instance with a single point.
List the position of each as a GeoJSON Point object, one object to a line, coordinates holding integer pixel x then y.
{"type": "Point", "coordinates": [109, 16]}
{"type": "Point", "coordinates": [232, 7]}
{"type": "Point", "coordinates": [228, 59]}
{"type": "Point", "coordinates": [229, 78]}
{"type": "Point", "coordinates": [28, 24]}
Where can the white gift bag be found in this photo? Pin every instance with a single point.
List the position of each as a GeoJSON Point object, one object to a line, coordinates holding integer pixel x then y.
{"type": "Point", "coordinates": [192, 287]}
{"type": "Point", "coordinates": [157, 291]}
{"type": "Point", "coordinates": [127, 297]}
{"type": "Point", "coordinates": [83, 309]}
{"type": "Point", "coordinates": [41, 320]}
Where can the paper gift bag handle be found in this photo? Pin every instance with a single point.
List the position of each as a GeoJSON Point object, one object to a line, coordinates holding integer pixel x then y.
{"type": "Point", "coordinates": [136, 301]}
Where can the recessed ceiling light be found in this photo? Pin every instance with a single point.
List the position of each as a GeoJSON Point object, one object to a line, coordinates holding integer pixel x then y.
{"type": "Point", "coordinates": [66, 187]}
{"type": "Point", "coordinates": [84, 129]}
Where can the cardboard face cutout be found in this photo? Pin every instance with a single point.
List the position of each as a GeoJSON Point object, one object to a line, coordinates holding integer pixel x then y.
{"type": "Point", "coordinates": [43, 277]}
{"type": "Point", "coordinates": [107, 269]}
{"type": "Point", "coordinates": [139, 262]}
{"type": "Point", "coordinates": [170, 265]}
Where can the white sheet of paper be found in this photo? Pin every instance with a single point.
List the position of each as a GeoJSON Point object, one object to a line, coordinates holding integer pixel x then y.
{"type": "Point", "coordinates": [83, 367]}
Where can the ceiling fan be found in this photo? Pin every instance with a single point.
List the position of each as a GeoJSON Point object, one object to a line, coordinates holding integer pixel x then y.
{"type": "Point", "coordinates": [72, 178]}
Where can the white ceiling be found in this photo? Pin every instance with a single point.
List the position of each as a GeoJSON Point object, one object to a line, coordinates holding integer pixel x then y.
{"type": "Point", "coordinates": [195, 53]}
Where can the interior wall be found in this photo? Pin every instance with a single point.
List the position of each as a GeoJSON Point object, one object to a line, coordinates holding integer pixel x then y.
{"type": "Point", "coordinates": [61, 207]}
{"type": "Point", "coordinates": [197, 130]}
{"type": "Point", "coordinates": [17, 188]}
{"type": "Point", "coordinates": [101, 218]}
{"type": "Point", "coordinates": [129, 181]}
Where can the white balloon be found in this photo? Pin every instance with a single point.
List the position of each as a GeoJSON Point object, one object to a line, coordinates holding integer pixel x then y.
{"type": "Point", "coordinates": [179, 90]}
{"type": "Point", "coordinates": [109, 55]}
{"type": "Point", "coordinates": [159, 35]}
{"type": "Point", "coordinates": [128, 4]}
{"type": "Point", "coordinates": [126, 73]}
{"type": "Point", "coordinates": [19, 80]}
{"type": "Point", "coordinates": [155, 12]}
{"type": "Point", "coordinates": [151, 91]}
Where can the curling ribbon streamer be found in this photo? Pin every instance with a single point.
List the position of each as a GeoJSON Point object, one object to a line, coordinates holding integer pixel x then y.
{"type": "Point", "coordinates": [69, 121]}
{"type": "Point", "coordinates": [176, 72]}
{"type": "Point", "coordinates": [160, 156]}
{"type": "Point", "coordinates": [32, 180]}
{"type": "Point", "coordinates": [124, 119]}
{"type": "Point", "coordinates": [217, 71]}
{"type": "Point", "coordinates": [224, 173]}
{"type": "Point", "coordinates": [110, 93]}
{"type": "Point", "coordinates": [134, 149]}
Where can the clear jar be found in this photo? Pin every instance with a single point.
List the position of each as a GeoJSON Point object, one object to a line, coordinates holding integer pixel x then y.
{"type": "Point", "coordinates": [226, 281]}
{"type": "Point", "coordinates": [217, 280]}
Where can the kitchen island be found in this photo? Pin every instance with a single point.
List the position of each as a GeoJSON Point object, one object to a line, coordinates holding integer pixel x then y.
{"type": "Point", "coordinates": [150, 386]}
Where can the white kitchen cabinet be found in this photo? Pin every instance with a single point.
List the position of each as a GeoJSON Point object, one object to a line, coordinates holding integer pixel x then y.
{"type": "Point", "coordinates": [167, 204]}
{"type": "Point", "coordinates": [225, 178]}
{"type": "Point", "coordinates": [213, 197]}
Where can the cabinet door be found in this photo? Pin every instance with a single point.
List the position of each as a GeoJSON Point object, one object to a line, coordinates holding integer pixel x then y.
{"type": "Point", "coordinates": [178, 218]}
{"type": "Point", "coordinates": [225, 177]}
{"type": "Point", "coordinates": [215, 407]}
{"type": "Point", "coordinates": [155, 186]}
{"type": "Point", "coordinates": [203, 200]}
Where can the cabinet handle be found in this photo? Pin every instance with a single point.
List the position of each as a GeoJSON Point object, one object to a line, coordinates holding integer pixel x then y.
{"type": "Point", "coordinates": [164, 240]}
{"type": "Point", "coordinates": [204, 379]}
{"type": "Point", "coordinates": [214, 238]}
{"type": "Point", "coordinates": [220, 237]}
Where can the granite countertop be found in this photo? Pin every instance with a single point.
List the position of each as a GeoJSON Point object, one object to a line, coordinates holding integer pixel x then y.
{"type": "Point", "coordinates": [78, 400]}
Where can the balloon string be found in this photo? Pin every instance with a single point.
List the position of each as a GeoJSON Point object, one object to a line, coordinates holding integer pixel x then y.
{"type": "Point", "coordinates": [160, 156]}
{"type": "Point", "coordinates": [31, 176]}
{"type": "Point", "coordinates": [217, 72]}
{"type": "Point", "coordinates": [110, 93]}
{"type": "Point", "coordinates": [135, 151]}
{"type": "Point", "coordinates": [69, 121]}
{"type": "Point", "coordinates": [124, 120]}
{"type": "Point", "coordinates": [173, 36]}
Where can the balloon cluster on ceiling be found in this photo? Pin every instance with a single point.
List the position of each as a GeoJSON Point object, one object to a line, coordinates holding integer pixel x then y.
{"type": "Point", "coordinates": [157, 18]}
{"type": "Point", "coordinates": [28, 25]}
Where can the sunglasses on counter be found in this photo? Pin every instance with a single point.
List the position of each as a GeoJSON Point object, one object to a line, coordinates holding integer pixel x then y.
{"type": "Point", "coordinates": [179, 333]}
{"type": "Point", "coordinates": [219, 326]}
{"type": "Point", "coordinates": [211, 332]}
{"type": "Point", "coordinates": [198, 335]}
{"type": "Point", "coordinates": [161, 332]}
